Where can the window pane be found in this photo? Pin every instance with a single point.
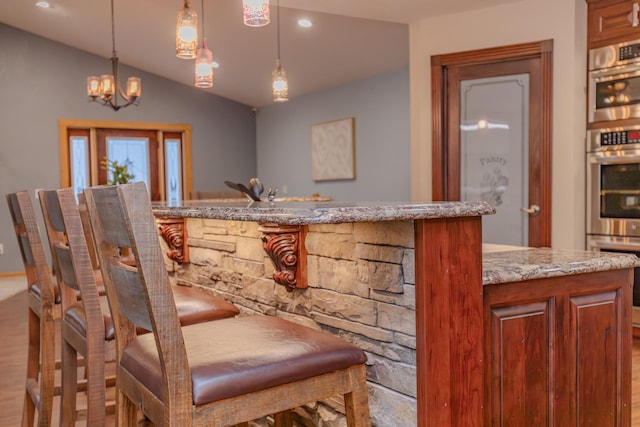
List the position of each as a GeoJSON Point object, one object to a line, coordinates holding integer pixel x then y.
{"type": "Point", "coordinates": [79, 163]}
{"type": "Point", "coordinates": [173, 170]}
{"type": "Point", "coordinates": [132, 150]}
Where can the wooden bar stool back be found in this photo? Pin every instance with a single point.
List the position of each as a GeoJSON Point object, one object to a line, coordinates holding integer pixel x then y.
{"type": "Point", "coordinates": [44, 309]}
{"type": "Point", "coordinates": [220, 373]}
{"type": "Point", "coordinates": [82, 320]}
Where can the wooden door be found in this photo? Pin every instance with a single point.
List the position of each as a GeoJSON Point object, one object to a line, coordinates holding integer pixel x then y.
{"type": "Point", "coordinates": [146, 162]}
{"type": "Point", "coordinates": [508, 160]}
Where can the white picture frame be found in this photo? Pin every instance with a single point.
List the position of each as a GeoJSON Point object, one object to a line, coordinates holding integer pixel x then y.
{"type": "Point", "coordinates": [333, 150]}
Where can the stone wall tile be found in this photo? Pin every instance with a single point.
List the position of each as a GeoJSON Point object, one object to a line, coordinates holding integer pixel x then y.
{"type": "Point", "coordinates": [409, 266]}
{"type": "Point", "coordinates": [397, 318]}
{"type": "Point", "coordinates": [249, 248]}
{"type": "Point", "coordinates": [391, 254]}
{"type": "Point", "coordinates": [340, 276]}
{"type": "Point", "coordinates": [405, 340]}
{"type": "Point", "coordinates": [397, 376]}
{"type": "Point", "coordinates": [358, 328]}
{"type": "Point", "coordinates": [216, 245]}
{"type": "Point", "coordinates": [391, 233]}
{"type": "Point", "coordinates": [391, 409]}
{"type": "Point", "coordinates": [348, 307]}
{"type": "Point", "coordinates": [343, 228]}
{"type": "Point", "coordinates": [339, 246]}
{"type": "Point", "coordinates": [385, 277]}
{"type": "Point", "coordinates": [407, 298]}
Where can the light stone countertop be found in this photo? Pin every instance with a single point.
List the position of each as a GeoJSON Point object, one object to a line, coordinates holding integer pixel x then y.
{"type": "Point", "coordinates": [303, 213]}
{"type": "Point", "coordinates": [502, 264]}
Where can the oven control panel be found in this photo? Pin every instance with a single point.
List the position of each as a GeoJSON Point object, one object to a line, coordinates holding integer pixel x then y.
{"type": "Point", "coordinates": [620, 137]}
{"type": "Point", "coordinates": [630, 51]}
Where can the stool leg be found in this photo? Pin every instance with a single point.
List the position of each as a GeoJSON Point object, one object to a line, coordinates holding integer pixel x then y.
{"type": "Point", "coordinates": [47, 369]}
{"type": "Point", "coordinates": [69, 385]}
{"type": "Point", "coordinates": [283, 419]}
{"type": "Point", "coordinates": [356, 403]}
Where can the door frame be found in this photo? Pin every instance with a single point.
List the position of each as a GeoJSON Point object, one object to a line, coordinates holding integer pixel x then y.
{"type": "Point", "coordinates": [542, 51]}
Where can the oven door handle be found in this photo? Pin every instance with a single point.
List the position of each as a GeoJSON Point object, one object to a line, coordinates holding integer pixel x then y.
{"type": "Point", "coordinates": [598, 158]}
{"type": "Point", "coordinates": [635, 247]}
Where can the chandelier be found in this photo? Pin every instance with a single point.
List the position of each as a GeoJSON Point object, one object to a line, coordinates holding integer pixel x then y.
{"type": "Point", "coordinates": [255, 13]}
{"type": "Point", "coordinates": [106, 88]}
{"type": "Point", "coordinates": [280, 85]}
{"type": "Point", "coordinates": [186, 32]}
{"type": "Point", "coordinates": [204, 58]}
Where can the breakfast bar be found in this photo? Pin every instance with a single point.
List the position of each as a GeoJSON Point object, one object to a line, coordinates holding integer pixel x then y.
{"type": "Point", "coordinates": [457, 333]}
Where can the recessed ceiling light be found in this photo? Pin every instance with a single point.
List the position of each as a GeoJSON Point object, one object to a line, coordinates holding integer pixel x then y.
{"type": "Point", "coordinates": [43, 4]}
{"type": "Point", "coordinates": [305, 23]}
{"type": "Point", "coordinates": [215, 64]}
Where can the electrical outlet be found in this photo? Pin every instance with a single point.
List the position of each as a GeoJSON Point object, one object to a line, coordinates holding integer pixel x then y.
{"type": "Point", "coordinates": [37, 190]}
{"type": "Point", "coordinates": [285, 190]}
{"type": "Point", "coordinates": [1, 248]}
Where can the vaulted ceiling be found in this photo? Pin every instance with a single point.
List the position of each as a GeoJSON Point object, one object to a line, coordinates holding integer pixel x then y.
{"type": "Point", "coordinates": [349, 39]}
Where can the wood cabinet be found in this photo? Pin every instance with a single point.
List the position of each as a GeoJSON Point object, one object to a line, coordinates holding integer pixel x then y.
{"type": "Point", "coordinates": [612, 21]}
{"type": "Point", "coordinates": [558, 351]}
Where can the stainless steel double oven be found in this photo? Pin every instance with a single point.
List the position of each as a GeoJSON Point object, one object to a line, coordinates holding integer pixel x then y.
{"type": "Point", "coordinates": [613, 153]}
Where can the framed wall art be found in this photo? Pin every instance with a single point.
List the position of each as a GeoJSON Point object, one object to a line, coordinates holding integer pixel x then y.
{"type": "Point", "coordinates": [333, 150]}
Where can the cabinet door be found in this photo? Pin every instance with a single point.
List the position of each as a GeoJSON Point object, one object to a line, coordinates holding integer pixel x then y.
{"type": "Point", "coordinates": [558, 351]}
{"type": "Point", "coordinates": [520, 367]}
{"type": "Point", "coordinates": [613, 23]}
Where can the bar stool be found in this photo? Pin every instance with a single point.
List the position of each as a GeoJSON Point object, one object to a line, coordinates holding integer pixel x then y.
{"type": "Point", "coordinates": [44, 310]}
{"type": "Point", "coordinates": [87, 326]}
{"type": "Point", "coordinates": [220, 373]}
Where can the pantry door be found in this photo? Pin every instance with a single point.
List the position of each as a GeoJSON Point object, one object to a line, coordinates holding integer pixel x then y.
{"type": "Point", "coordinates": [492, 138]}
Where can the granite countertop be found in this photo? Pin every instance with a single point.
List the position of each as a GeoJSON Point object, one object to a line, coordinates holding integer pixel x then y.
{"type": "Point", "coordinates": [502, 264]}
{"type": "Point", "coordinates": [302, 213]}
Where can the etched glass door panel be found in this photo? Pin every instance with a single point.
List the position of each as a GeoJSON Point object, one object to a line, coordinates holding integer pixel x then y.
{"type": "Point", "coordinates": [494, 163]}
{"type": "Point", "coordinates": [133, 152]}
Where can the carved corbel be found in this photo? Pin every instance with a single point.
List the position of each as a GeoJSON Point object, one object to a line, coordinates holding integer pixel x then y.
{"type": "Point", "coordinates": [174, 232]}
{"type": "Point", "coordinates": [285, 246]}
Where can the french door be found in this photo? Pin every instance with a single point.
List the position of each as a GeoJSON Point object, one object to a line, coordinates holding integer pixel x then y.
{"type": "Point", "coordinates": [157, 154]}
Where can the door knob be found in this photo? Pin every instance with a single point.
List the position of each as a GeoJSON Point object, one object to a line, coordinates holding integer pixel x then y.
{"type": "Point", "coordinates": [533, 210]}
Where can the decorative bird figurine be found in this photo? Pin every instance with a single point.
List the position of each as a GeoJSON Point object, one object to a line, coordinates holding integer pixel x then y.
{"type": "Point", "coordinates": [256, 187]}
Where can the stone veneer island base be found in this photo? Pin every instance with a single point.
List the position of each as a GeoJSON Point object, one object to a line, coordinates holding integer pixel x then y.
{"type": "Point", "coordinates": [455, 336]}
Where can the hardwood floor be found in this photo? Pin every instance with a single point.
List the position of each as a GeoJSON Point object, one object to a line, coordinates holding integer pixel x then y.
{"type": "Point", "coordinates": [13, 352]}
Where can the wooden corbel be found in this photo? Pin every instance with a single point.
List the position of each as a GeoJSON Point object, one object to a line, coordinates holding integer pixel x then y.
{"type": "Point", "coordinates": [174, 232]}
{"type": "Point", "coordinates": [285, 246]}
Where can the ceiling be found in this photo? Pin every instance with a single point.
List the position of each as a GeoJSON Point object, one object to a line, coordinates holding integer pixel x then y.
{"type": "Point", "coordinates": [349, 39]}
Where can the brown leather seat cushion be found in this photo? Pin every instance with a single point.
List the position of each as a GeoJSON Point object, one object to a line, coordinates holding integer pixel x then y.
{"type": "Point", "coordinates": [236, 356]}
{"type": "Point", "coordinates": [194, 306]}
{"type": "Point", "coordinates": [35, 288]}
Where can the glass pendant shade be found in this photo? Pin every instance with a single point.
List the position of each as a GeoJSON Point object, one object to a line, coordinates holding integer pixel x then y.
{"type": "Point", "coordinates": [280, 84]}
{"type": "Point", "coordinates": [93, 86]}
{"type": "Point", "coordinates": [255, 13]}
{"type": "Point", "coordinates": [134, 87]}
{"type": "Point", "coordinates": [107, 86]}
{"type": "Point", "coordinates": [204, 70]}
{"type": "Point", "coordinates": [186, 32]}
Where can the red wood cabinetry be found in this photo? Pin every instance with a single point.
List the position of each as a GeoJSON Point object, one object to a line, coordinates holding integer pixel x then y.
{"type": "Point", "coordinates": [613, 21]}
{"type": "Point", "coordinates": [557, 351]}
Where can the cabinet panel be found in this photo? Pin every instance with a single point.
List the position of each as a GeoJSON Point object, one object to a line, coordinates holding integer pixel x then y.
{"type": "Point", "coordinates": [613, 23]}
{"type": "Point", "coordinates": [595, 328]}
{"type": "Point", "coordinates": [521, 372]}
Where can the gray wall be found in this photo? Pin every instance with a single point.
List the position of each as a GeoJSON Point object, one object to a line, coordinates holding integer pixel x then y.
{"type": "Point", "coordinates": [380, 106]}
{"type": "Point", "coordinates": [42, 81]}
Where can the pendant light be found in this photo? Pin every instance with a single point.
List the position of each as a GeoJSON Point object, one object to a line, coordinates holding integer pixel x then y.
{"type": "Point", "coordinates": [280, 85]}
{"type": "Point", "coordinates": [186, 32]}
{"type": "Point", "coordinates": [106, 88]}
{"type": "Point", "coordinates": [255, 13]}
{"type": "Point", "coordinates": [204, 58]}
